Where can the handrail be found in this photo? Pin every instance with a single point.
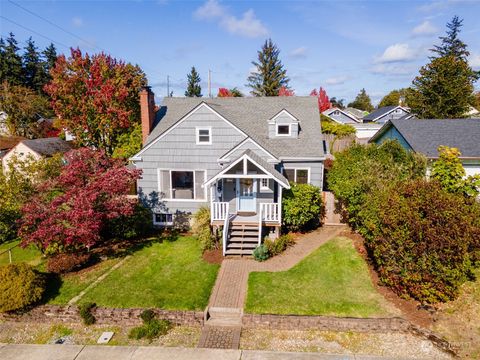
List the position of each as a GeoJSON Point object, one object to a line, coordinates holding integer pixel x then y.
{"type": "Point", "coordinates": [9, 250]}
{"type": "Point", "coordinates": [219, 210]}
{"type": "Point", "coordinates": [226, 224]}
{"type": "Point", "coordinates": [260, 220]}
{"type": "Point", "coordinates": [270, 212]}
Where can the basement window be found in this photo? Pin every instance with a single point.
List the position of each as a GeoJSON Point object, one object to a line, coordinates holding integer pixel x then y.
{"type": "Point", "coordinates": [163, 219]}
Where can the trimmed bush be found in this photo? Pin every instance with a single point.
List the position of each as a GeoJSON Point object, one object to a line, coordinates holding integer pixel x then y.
{"type": "Point", "coordinates": [64, 263]}
{"type": "Point", "coordinates": [261, 253]}
{"type": "Point", "coordinates": [302, 207]}
{"type": "Point", "coordinates": [277, 246]}
{"type": "Point", "coordinates": [423, 240]}
{"type": "Point", "coordinates": [20, 286]}
{"type": "Point", "coordinates": [202, 230]}
{"type": "Point", "coordinates": [85, 311]}
{"type": "Point", "coordinates": [151, 328]}
{"type": "Point", "coordinates": [137, 225]}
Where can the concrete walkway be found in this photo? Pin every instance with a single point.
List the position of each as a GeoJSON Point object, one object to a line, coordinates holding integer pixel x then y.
{"type": "Point", "coordinates": [96, 352]}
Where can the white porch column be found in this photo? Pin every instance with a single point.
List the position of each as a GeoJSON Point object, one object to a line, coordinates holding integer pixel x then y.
{"type": "Point", "coordinates": [280, 203]}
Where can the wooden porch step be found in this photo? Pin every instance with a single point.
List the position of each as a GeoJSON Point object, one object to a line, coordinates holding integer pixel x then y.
{"type": "Point", "coordinates": [243, 227]}
{"type": "Point", "coordinates": [232, 246]}
{"type": "Point", "coordinates": [241, 252]}
{"type": "Point", "coordinates": [244, 233]}
{"type": "Point", "coordinates": [239, 239]}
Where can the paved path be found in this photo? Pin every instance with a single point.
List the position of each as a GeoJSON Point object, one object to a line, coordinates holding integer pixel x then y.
{"type": "Point", "coordinates": [96, 352]}
{"type": "Point", "coordinates": [230, 288]}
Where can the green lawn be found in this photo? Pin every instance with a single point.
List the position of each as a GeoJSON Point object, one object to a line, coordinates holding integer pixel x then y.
{"type": "Point", "coordinates": [333, 280]}
{"type": "Point", "coordinates": [168, 275]}
{"type": "Point", "coordinates": [29, 254]}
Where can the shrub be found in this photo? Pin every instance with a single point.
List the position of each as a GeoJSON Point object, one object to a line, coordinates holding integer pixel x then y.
{"type": "Point", "coordinates": [277, 246]}
{"type": "Point", "coordinates": [202, 230]}
{"type": "Point", "coordinates": [261, 253]}
{"type": "Point", "coordinates": [64, 263]}
{"type": "Point", "coordinates": [137, 225]}
{"type": "Point", "coordinates": [302, 207]}
{"type": "Point", "coordinates": [423, 240]}
{"type": "Point", "coordinates": [151, 327]}
{"type": "Point", "coordinates": [360, 170]}
{"type": "Point", "coordinates": [85, 311]}
{"type": "Point", "coordinates": [20, 286]}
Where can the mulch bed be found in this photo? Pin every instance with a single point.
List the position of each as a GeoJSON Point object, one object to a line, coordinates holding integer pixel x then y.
{"type": "Point", "coordinates": [213, 256]}
{"type": "Point", "coordinates": [411, 309]}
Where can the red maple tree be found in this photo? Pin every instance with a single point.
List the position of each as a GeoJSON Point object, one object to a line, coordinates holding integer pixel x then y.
{"type": "Point", "coordinates": [284, 91]}
{"type": "Point", "coordinates": [70, 211]}
{"type": "Point", "coordinates": [323, 100]}
{"type": "Point", "coordinates": [95, 97]}
{"type": "Point", "coordinates": [224, 92]}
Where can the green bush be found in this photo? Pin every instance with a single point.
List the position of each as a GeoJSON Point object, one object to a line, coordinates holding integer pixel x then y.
{"type": "Point", "coordinates": [261, 253]}
{"type": "Point", "coordinates": [360, 170]}
{"type": "Point", "coordinates": [20, 286]}
{"type": "Point", "coordinates": [85, 311]}
{"type": "Point", "coordinates": [423, 240]}
{"type": "Point", "coordinates": [277, 246]}
{"type": "Point", "coordinates": [202, 230]}
{"type": "Point", "coordinates": [151, 328]}
{"type": "Point", "coordinates": [137, 225]}
{"type": "Point", "coordinates": [302, 207]}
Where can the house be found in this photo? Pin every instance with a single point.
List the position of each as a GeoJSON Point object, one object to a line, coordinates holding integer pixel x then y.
{"type": "Point", "coordinates": [234, 155]}
{"type": "Point", "coordinates": [425, 136]}
{"type": "Point", "coordinates": [7, 143]}
{"type": "Point", "coordinates": [357, 113]}
{"type": "Point", "coordinates": [35, 149]}
{"type": "Point", "coordinates": [340, 116]}
{"type": "Point", "coordinates": [383, 114]}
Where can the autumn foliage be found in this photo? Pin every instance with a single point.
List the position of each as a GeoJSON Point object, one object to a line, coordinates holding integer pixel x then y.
{"type": "Point", "coordinates": [323, 100]}
{"type": "Point", "coordinates": [70, 211]}
{"type": "Point", "coordinates": [96, 97]}
{"type": "Point", "coordinates": [224, 92]}
{"type": "Point", "coordinates": [284, 91]}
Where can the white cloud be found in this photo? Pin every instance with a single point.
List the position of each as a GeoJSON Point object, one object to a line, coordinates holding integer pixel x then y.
{"type": "Point", "coordinates": [394, 69]}
{"type": "Point", "coordinates": [77, 21]}
{"type": "Point", "coordinates": [247, 25]}
{"type": "Point", "coordinates": [397, 53]}
{"type": "Point", "coordinates": [424, 29]}
{"type": "Point", "coordinates": [336, 80]}
{"type": "Point", "coordinates": [474, 60]}
{"type": "Point", "coordinates": [298, 53]}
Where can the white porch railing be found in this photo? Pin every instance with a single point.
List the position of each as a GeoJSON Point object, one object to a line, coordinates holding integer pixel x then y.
{"type": "Point", "coordinates": [219, 210]}
{"type": "Point", "coordinates": [226, 224]}
{"type": "Point", "coordinates": [270, 212]}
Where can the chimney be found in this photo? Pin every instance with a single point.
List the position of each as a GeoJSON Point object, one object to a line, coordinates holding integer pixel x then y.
{"type": "Point", "coordinates": [147, 111]}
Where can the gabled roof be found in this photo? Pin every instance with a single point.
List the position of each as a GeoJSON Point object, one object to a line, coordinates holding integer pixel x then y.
{"type": "Point", "coordinates": [251, 116]}
{"type": "Point", "coordinates": [347, 114]}
{"type": "Point", "coordinates": [359, 114]}
{"type": "Point", "coordinates": [382, 112]}
{"type": "Point", "coordinates": [48, 146]}
{"type": "Point", "coordinates": [426, 135]}
{"type": "Point", "coordinates": [8, 142]}
{"type": "Point", "coordinates": [256, 160]}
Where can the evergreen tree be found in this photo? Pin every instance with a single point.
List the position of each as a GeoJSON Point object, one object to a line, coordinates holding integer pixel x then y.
{"type": "Point", "coordinates": [50, 57]}
{"type": "Point", "coordinates": [12, 62]}
{"type": "Point", "coordinates": [193, 84]}
{"type": "Point", "coordinates": [33, 70]}
{"type": "Point", "coordinates": [362, 101]}
{"type": "Point", "coordinates": [270, 76]}
{"type": "Point", "coordinates": [394, 98]}
{"type": "Point", "coordinates": [451, 44]}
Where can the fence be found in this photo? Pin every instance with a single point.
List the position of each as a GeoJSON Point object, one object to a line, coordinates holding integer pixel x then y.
{"type": "Point", "coordinates": [6, 256]}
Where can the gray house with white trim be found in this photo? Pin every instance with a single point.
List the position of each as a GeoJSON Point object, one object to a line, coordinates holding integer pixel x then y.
{"type": "Point", "coordinates": [234, 155]}
{"type": "Point", "coordinates": [383, 114]}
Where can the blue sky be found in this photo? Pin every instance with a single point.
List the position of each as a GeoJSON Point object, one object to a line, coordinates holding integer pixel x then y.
{"type": "Point", "coordinates": [339, 45]}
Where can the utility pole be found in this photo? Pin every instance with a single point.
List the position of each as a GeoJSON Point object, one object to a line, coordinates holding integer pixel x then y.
{"type": "Point", "coordinates": [209, 83]}
{"type": "Point", "coordinates": [168, 85]}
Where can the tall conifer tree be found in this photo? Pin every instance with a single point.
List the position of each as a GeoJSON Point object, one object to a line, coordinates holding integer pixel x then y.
{"type": "Point", "coordinates": [12, 62]}
{"type": "Point", "coordinates": [193, 84]}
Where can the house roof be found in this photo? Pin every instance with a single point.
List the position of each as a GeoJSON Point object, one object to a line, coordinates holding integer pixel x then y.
{"type": "Point", "coordinates": [381, 112]}
{"type": "Point", "coordinates": [425, 136]}
{"type": "Point", "coordinates": [48, 146]}
{"type": "Point", "coordinates": [8, 142]}
{"type": "Point", "coordinates": [331, 110]}
{"type": "Point", "coordinates": [251, 115]}
{"type": "Point", "coordinates": [359, 114]}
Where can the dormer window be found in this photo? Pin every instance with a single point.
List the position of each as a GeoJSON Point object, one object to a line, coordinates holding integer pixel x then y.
{"type": "Point", "coordinates": [283, 130]}
{"type": "Point", "coordinates": [204, 135]}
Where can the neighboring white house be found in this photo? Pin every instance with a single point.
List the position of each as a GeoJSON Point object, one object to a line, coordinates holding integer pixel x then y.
{"type": "Point", "coordinates": [35, 149]}
{"type": "Point", "coordinates": [382, 115]}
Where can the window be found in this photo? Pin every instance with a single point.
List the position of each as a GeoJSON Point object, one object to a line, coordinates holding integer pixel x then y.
{"type": "Point", "coordinates": [264, 184]}
{"type": "Point", "coordinates": [204, 136]}
{"type": "Point", "coordinates": [163, 219]}
{"type": "Point", "coordinates": [182, 185]}
{"type": "Point", "coordinates": [300, 176]}
{"type": "Point", "coordinates": [336, 112]}
{"type": "Point", "coordinates": [283, 130]}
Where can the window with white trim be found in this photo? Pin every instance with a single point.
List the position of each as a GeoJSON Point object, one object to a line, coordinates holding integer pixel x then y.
{"type": "Point", "coordinates": [264, 184]}
{"type": "Point", "coordinates": [299, 176]}
{"type": "Point", "coordinates": [204, 136]}
{"type": "Point", "coordinates": [163, 219]}
{"type": "Point", "coordinates": [283, 130]}
{"type": "Point", "coordinates": [181, 184]}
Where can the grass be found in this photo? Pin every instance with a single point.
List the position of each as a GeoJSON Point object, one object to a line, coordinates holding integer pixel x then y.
{"type": "Point", "coordinates": [333, 280]}
{"type": "Point", "coordinates": [30, 254]}
{"type": "Point", "coordinates": [168, 275]}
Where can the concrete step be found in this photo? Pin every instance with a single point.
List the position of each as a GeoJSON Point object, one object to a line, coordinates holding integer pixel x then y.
{"type": "Point", "coordinates": [220, 316]}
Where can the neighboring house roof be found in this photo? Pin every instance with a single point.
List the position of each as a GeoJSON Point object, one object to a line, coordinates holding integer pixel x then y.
{"type": "Point", "coordinates": [328, 112]}
{"type": "Point", "coordinates": [8, 142]}
{"type": "Point", "coordinates": [251, 116]}
{"type": "Point", "coordinates": [425, 136]}
{"type": "Point", "coordinates": [382, 112]}
{"type": "Point", "coordinates": [48, 146]}
{"type": "Point", "coordinates": [359, 114]}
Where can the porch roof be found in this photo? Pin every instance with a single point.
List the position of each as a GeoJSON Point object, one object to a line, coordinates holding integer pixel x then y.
{"type": "Point", "coordinates": [270, 171]}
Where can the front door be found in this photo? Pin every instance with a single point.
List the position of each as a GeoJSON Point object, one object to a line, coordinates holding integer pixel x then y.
{"type": "Point", "coordinates": [246, 195]}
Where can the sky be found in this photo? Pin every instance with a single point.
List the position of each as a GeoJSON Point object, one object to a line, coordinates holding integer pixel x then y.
{"type": "Point", "coordinates": [343, 46]}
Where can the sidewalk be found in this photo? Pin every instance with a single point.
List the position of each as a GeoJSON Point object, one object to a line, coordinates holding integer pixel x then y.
{"type": "Point", "coordinates": [96, 352]}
